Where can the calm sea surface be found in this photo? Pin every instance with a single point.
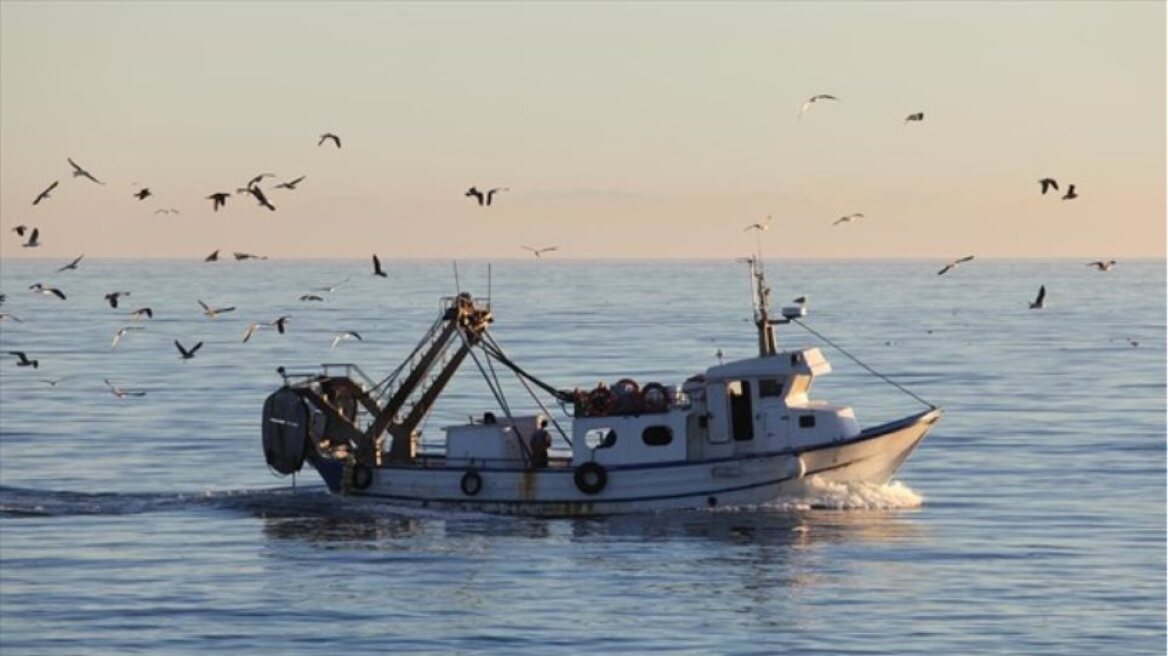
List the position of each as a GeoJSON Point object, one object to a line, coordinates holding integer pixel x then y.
{"type": "Point", "coordinates": [1031, 521]}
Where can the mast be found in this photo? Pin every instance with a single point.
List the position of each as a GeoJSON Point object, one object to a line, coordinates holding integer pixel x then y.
{"type": "Point", "coordinates": [767, 342]}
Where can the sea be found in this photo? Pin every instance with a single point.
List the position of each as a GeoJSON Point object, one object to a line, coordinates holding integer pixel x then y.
{"type": "Point", "coordinates": [1030, 521]}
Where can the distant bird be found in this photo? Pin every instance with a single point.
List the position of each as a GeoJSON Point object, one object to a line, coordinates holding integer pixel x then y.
{"type": "Point", "coordinates": [20, 230]}
{"type": "Point", "coordinates": [1039, 301]}
{"type": "Point", "coordinates": [1048, 184]}
{"type": "Point", "coordinates": [246, 256]}
{"type": "Point", "coordinates": [113, 297]}
{"type": "Point", "coordinates": [143, 193]}
{"type": "Point", "coordinates": [33, 239]}
{"type": "Point", "coordinates": [45, 194]}
{"type": "Point", "coordinates": [348, 334]}
{"type": "Point", "coordinates": [333, 287]}
{"type": "Point", "coordinates": [137, 314]}
{"type": "Point", "coordinates": [122, 333]}
{"type": "Point", "coordinates": [72, 265]}
{"type": "Point", "coordinates": [1070, 195]}
{"type": "Point", "coordinates": [215, 312]}
{"type": "Point", "coordinates": [1103, 266]}
{"type": "Point", "coordinates": [377, 270]}
{"type": "Point", "coordinates": [953, 265]}
{"type": "Point", "coordinates": [919, 116]}
{"type": "Point", "coordinates": [23, 361]}
{"type": "Point", "coordinates": [213, 257]}
{"type": "Point", "coordinates": [187, 355]}
{"type": "Point", "coordinates": [538, 252]}
{"type": "Point", "coordinates": [311, 297]}
{"type": "Point", "coordinates": [291, 184]}
{"type": "Point", "coordinates": [4, 316]}
{"type": "Point", "coordinates": [849, 218]}
{"type": "Point", "coordinates": [720, 356]}
{"type": "Point", "coordinates": [329, 135]}
{"type": "Point", "coordinates": [484, 199]}
{"type": "Point", "coordinates": [259, 178]}
{"type": "Point", "coordinates": [251, 328]}
{"type": "Point", "coordinates": [281, 323]}
{"type": "Point", "coordinates": [761, 226]}
{"type": "Point", "coordinates": [258, 194]}
{"type": "Point", "coordinates": [53, 382]}
{"type": "Point", "coordinates": [80, 172]}
{"type": "Point", "coordinates": [121, 393]}
{"type": "Point", "coordinates": [166, 210]}
{"type": "Point", "coordinates": [802, 300]}
{"type": "Point", "coordinates": [814, 99]}
{"type": "Point", "coordinates": [41, 289]}
{"type": "Point", "coordinates": [218, 199]}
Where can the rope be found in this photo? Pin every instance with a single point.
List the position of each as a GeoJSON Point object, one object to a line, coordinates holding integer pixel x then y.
{"type": "Point", "coordinates": [866, 367]}
{"type": "Point", "coordinates": [530, 392]}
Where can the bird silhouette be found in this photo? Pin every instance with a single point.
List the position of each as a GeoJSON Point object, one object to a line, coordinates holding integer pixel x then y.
{"type": "Point", "coordinates": [760, 226]}
{"type": "Point", "coordinates": [919, 116]}
{"type": "Point", "coordinates": [281, 323]}
{"type": "Point", "coordinates": [377, 270]}
{"type": "Point", "coordinates": [187, 354]}
{"type": "Point", "coordinates": [1070, 195]}
{"type": "Point", "coordinates": [47, 291]}
{"type": "Point", "coordinates": [215, 312]}
{"type": "Point", "coordinates": [849, 218]}
{"type": "Point", "coordinates": [311, 297]}
{"type": "Point", "coordinates": [113, 297]}
{"type": "Point", "coordinates": [218, 199]}
{"type": "Point", "coordinates": [1048, 184]}
{"type": "Point", "coordinates": [291, 184]}
{"type": "Point", "coordinates": [246, 256]}
{"type": "Point", "coordinates": [213, 257]}
{"type": "Point", "coordinates": [1040, 301]}
{"type": "Point", "coordinates": [260, 197]}
{"type": "Point", "coordinates": [121, 393]}
{"type": "Point", "coordinates": [143, 194]}
{"type": "Point", "coordinates": [1103, 266]}
{"type": "Point", "coordinates": [45, 194]}
{"type": "Point", "coordinates": [80, 172]}
{"type": "Point", "coordinates": [20, 230]}
{"type": "Point", "coordinates": [72, 265]}
{"type": "Point", "coordinates": [329, 135]}
{"type": "Point", "coordinates": [953, 265]}
{"type": "Point", "coordinates": [814, 99]}
{"type": "Point", "coordinates": [142, 312]}
{"type": "Point", "coordinates": [122, 332]}
{"type": "Point", "coordinates": [538, 252]}
{"type": "Point", "coordinates": [33, 239]}
{"type": "Point", "coordinates": [348, 334]}
{"type": "Point", "coordinates": [23, 361]}
{"type": "Point", "coordinates": [259, 178]}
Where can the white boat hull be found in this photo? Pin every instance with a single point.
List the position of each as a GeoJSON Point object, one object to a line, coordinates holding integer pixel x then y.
{"type": "Point", "coordinates": [872, 457]}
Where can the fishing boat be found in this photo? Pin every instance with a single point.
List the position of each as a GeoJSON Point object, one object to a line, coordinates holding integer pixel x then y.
{"type": "Point", "coordinates": [739, 433]}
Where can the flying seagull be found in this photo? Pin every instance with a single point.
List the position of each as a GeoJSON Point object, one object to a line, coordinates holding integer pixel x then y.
{"type": "Point", "coordinates": [246, 256]}
{"type": "Point", "coordinates": [166, 210]}
{"type": "Point", "coordinates": [348, 334]}
{"type": "Point", "coordinates": [121, 393]}
{"type": "Point", "coordinates": [122, 333]}
{"type": "Point", "coordinates": [256, 180]}
{"type": "Point", "coordinates": [377, 270]}
{"type": "Point", "coordinates": [215, 312]}
{"type": "Point", "coordinates": [41, 289]}
{"type": "Point", "coordinates": [138, 313]}
{"type": "Point", "coordinates": [1103, 266]}
{"type": "Point", "coordinates": [4, 316]}
{"type": "Point", "coordinates": [23, 361]}
{"type": "Point", "coordinates": [187, 355]}
{"type": "Point", "coordinates": [218, 199]}
{"type": "Point", "coordinates": [484, 199]}
{"type": "Point", "coordinates": [260, 197]}
{"type": "Point", "coordinates": [1070, 195]}
{"type": "Point", "coordinates": [281, 323]}
{"type": "Point", "coordinates": [213, 257]}
{"type": "Point", "coordinates": [251, 328]}
{"type": "Point", "coordinates": [45, 194]}
{"type": "Point", "coordinates": [113, 297]}
{"type": "Point", "coordinates": [79, 172]}
{"type": "Point", "coordinates": [291, 184]}
{"type": "Point", "coordinates": [33, 239]}
{"type": "Point", "coordinates": [333, 287]}
{"type": "Point", "coordinates": [311, 297]}
{"type": "Point", "coordinates": [538, 252]}
{"type": "Point", "coordinates": [1039, 301]}
{"type": "Point", "coordinates": [329, 135]}
{"type": "Point", "coordinates": [849, 218]}
{"type": "Point", "coordinates": [143, 193]}
{"type": "Point", "coordinates": [1048, 184]}
{"type": "Point", "coordinates": [814, 99]}
{"type": "Point", "coordinates": [20, 230]}
{"type": "Point", "coordinates": [72, 265]}
{"type": "Point", "coordinates": [761, 226]}
{"type": "Point", "coordinates": [919, 116]}
{"type": "Point", "coordinates": [53, 382]}
{"type": "Point", "coordinates": [953, 265]}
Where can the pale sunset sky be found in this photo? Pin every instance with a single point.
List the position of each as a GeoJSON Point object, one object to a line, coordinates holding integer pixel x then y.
{"type": "Point", "coordinates": [631, 130]}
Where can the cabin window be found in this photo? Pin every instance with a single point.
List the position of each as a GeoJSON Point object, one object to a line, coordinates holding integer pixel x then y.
{"type": "Point", "coordinates": [600, 438]}
{"type": "Point", "coordinates": [657, 436]}
{"type": "Point", "coordinates": [770, 388]}
{"type": "Point", "coordinates": [807, 421]}
{"type": "Point", "coordinates": [741, 413]}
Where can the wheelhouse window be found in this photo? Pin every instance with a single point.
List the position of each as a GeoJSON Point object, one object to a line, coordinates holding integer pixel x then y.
{"type": "Point", "coordinates": [807, 421]}
{"type": "Point", "coordinates": [657, 435]}
{"type": "Point", "coordinates": [770, 388]}
{"type": "Point", "coordinates": [741, 413]}
{"type": "Point", "coordinates": [600, 438]}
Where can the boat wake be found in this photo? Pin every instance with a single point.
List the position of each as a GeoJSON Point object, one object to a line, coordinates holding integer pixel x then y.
{"type": "Point", "coordinates": [27, 502]}
{"type": "Point", "coordinates": [818, 494]}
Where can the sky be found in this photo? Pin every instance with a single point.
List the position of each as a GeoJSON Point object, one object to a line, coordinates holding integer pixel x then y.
{"type": "Point", "coordinates": [631, 130]}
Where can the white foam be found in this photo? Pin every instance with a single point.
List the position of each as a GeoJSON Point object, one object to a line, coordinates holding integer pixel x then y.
{"type": "Point", "coordinates": [820, 494]}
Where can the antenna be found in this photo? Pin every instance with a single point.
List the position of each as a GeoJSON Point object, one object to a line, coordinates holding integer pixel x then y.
{"type": "Point", "coordinates": [457, 286]}
{"type": "Point", "coordinates": [488, 285]}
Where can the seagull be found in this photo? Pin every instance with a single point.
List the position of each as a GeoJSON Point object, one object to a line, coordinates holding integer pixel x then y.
{"type": "Point", "coordinates": [766, 223]}
{"type": "Point", "coordinates": [484, 199]}
{"type": "Point", "coordinates": [33, 239]}
{"type": "Point", "coordinates": [122, 333]}
{"type": "Point", "coordinates": [41, 289]}
{"type": "Point", "coordinates": [53, 382]}
{"type": "Point", "coordinates": [137, 314]}
{"type": "Point", "coordinates": [1048, 184]}
{"type": "Point", "coordinates": [251, 328]}
{"type": "Point", "coordinates": [23, 360]}
{"type": "Point", "coordinates": [291, 184]}
{"type": "Point", "coordinates": [377, 271]}
{"type": "Point", "coordinates": [478, 195]}
{"type": "Point", "coordinates": [311, 297]}
{"type": "Point", "coordinates": [218, 199]}
{"type": "Point", "coordinates": [849, 218]}
{"type": "Point", "coordinates": [333, 287]}
{"type": "Point", "coordinates": [142, 194]}
{"type": "Point", "coordinates": [280, 323]}
{"type": "Point", "coordinates": [1103, 266]}
{"type": "Point", "coordinates": [246, 256]}
{"type": "Point", "coordinates": [112, 297]}
{"type": "Point", "coordinates": [71, 266]}
{"type": "Point", "coordinates": [166, 210]}
{"type": "Point", "coordinates": [213, 257]}
{"type": "Point", "coordinates": [4, 316]}
{"type": "Point", "coordinates": [919, 116]}
{"type": "Point", "coordinates": [329, 135]}
{"type": "Point", "coordinates": [45, 194]}
{"type": "Point", "coordinates": [953, 265]}
{"type": "Point", "coordinates": [121, 393]}
{"type": "Point", "coordinates": [1070, 195]}
{"type": "Point", "coordinates": [538, 252]}
{"type": "Point", "coordinates": [20, 230]}
{"type": "Point", "coordinates": [79, 172]}
{"type": "Point", "coordinates": [256, 180]}
{"type": "Point", "coordinates": [187, 355]}
{"type": "Point", "coordinates": [260, 197]}
{"type": "Point", "coordinates": [1040, 301]}
{"type": "Point", "coordinates": [215, 312]}
{"type": "Point", "coordinates": [348, 334]}
{"type": "Point", "coordinates": [815, 99]}
{"type": "Point", "coordinates": [802, 300]}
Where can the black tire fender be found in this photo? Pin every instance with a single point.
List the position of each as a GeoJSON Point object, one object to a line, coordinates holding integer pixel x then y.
{"type": "Point", "coordinates": [591, 478]}
{"type": "Point", "coordinates": [471, 483]}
